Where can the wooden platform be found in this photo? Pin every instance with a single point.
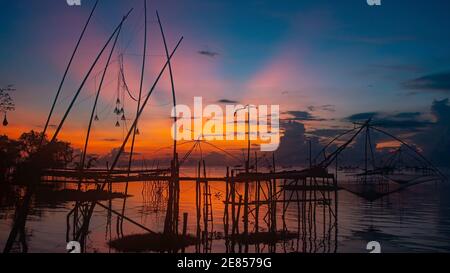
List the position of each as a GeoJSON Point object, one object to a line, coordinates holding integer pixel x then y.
{"type": "Point", "coordinates": [120, 176]}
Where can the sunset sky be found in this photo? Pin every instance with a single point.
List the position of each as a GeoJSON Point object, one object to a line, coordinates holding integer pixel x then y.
{"type": "Point", "coordinates": [326, 63]}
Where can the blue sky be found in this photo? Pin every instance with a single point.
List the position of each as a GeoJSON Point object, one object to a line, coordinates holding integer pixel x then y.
{"type": "Point", "coordinates": [300, 54]}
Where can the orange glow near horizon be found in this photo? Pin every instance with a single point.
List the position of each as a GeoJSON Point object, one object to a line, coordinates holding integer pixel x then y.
{"type": "Point", "coordinates": [388, 144]}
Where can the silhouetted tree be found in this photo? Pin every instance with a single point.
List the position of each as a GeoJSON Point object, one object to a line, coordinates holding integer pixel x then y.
{"type": "Point", "coordinates": [29, 143]}
{"type": "Point", "coordinates": [9, 156]}
{"type": "Point", "coordinates": [36, 158]}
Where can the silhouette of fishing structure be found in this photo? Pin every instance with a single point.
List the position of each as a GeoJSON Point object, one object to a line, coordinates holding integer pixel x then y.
{"type": "Point", "coordinates": [402, 168]}
{"type": "Point", "coordinates": [257, 201]}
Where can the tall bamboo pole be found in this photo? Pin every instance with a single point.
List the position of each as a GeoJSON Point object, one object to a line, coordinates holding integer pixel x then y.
{"type": "Point", "coordinates": [66, 72]}
{"type": "Point", "coordinates": [175, 184]}
{"type": "Point", "coordinates": [130, 159]}
{"type": "Point", "coordinates": [84, 151]}
{"type": "Point", "coordinates": [66, 114]}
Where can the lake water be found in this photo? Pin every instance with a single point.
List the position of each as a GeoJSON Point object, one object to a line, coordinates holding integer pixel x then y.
{"type": "Point", "coordinates": [414, 220]}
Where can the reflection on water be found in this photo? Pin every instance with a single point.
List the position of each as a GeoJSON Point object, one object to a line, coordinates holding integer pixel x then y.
{"type": "Point", "coordinates": [414, 220]}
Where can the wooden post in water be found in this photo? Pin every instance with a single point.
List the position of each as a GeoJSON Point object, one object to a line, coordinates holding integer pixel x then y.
{"type": "Point", "coordinates": [335, 184]}
{"type": "Point", "coordinates": [225, 215]}
{"type": "Point", "coordinates": [246, 193]}
{"type": "Point", "coordinates": [238, 214]}
{"type": "Point", "coordinates": [205, 201]}
{"type": "Point", "coordinates": [185, 221]}
{"type": "Point", "coordinates": [274, 199]}
{"type": "Point", "coordinates": [257, 196]}
{"type": "Point", "coordinates": [233, 204]}
{"type": "Point", "coordinates": [197, 200]}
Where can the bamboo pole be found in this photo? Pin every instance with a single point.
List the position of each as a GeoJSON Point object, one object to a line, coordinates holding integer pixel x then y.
{"type": "Point", "coordinates": [227, 192]}
{"type": "Point", "coordinates": [233, 203]}
{"type": "Point", "coordinates": [116, 159]}
{"type": "Point", "coordinates": [23, 210]}
{"type": "Point", "coordinates": [126, 218]}
{"type": "Point", "coordinates": [130, 160]}
{"type": "Point", "coordinates": [66, 72]}
{"type": "Point", "coordinates": [197, 200]}
{"type": "Point", "coordinates": [84, 152]}
{"type": "Point", "coordinates": [66, 114]}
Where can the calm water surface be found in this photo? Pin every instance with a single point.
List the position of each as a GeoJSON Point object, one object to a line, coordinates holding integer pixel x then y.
{"type": "Point", "coordinates": [414, 220]}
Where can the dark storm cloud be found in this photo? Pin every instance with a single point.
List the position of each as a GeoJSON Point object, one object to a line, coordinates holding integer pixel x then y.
{"type": "Point", "coordinates": [432, 82]}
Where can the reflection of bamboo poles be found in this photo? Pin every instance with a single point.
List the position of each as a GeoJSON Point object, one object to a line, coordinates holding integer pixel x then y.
{"type": "Point", "coordinates": [124, 217]}
{"type": "Point", "coordinates": [233, 208]}
{"type": "Point", "coordinates": [205, 201]}
{"type": "Point", "coordinates": [236, 222]}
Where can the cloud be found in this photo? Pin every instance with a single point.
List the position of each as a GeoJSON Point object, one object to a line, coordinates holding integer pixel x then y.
{"type": "Point", "coordinates": [328, 133]}
{"type": "Point", "coordinates": [362, 116]}
{"type": "Point", "coordinates": [431, 137]}
{"type": "Point", "coordinates": [51, 126]}
{"type": "Point", "coordinates": [436, 141]}
{"type": "Point", "coordinates": [294, 146]}
{"type": "Point", "coordinates": [432, 82]}
{"type": "Point", "coordinates": [408, 115]}
{"type": "Point", "coordinates": [410, 124]}
{"type": "Point", "coordinates": [403, 120]}
{"type": "Point", "coordinates": [111, 139]}
{"type": "Point", "coordinates": [301, 116]}
{"type": "Point", "coordinates": [326, 108]}
{"type": "Point", "coordinates": [227, 101]}
{"type": "Point", "coordinates": [208, 53]}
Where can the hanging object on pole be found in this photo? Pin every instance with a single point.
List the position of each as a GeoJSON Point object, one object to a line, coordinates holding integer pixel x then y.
{"type": "Point", "coordinates": [137, 131]}
{"type": "Point", "coordinates": [96, 118]}
{"type": "Point", "coordinates": [5, 121]}
{"type": "Point", "coordinates": [117, 124]}
{"type": "Point", "coordinates": [123, 117]}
